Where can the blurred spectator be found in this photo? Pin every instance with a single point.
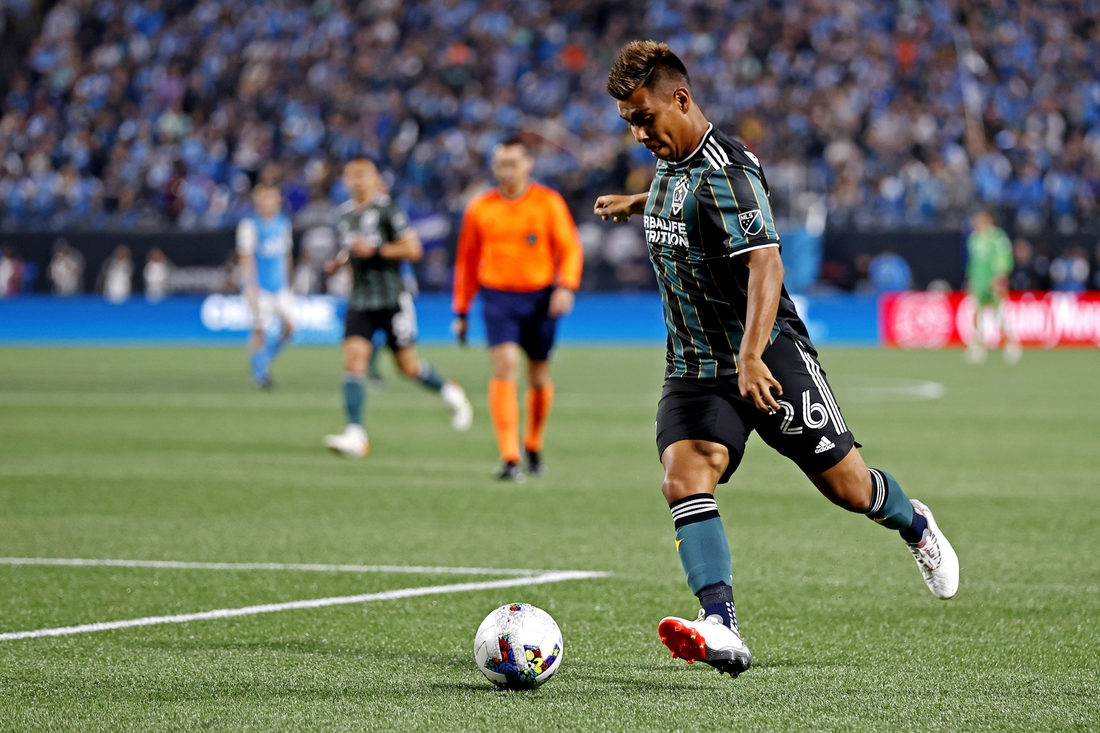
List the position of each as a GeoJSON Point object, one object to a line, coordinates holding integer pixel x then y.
{"type": "Point", "coordinates": [116, 276]}
{"type": "Point", "coordinates": [861, 102]}
{"type": "Point", "coordinates": [66, 271]}
{"type": "Point", "coordinates": [12, 269]}
{"type": "Point", "coordinates": [1030, 271]}
{"type": "Point", "coordinates": [157, 276]}
{"type": "Point", "coordinates": [1070, 271]}
{"type": "Point", "coordinates": [889, 272]}
{"type": "Point", "coordinates": [1095, 282]}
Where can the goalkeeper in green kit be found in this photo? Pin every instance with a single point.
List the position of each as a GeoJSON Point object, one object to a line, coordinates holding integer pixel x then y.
{"type": "Point", "coordinates": [989, 262]}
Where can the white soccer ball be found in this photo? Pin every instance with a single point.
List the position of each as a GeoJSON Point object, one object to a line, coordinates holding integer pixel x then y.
{"type": "Point", "coordinates": [518, 646]}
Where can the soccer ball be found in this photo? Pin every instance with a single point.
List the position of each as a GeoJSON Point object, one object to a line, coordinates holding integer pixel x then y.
{"type": "Point", "coordinates": [518, 646]}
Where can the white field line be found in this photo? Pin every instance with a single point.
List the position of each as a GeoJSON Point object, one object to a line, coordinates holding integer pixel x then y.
{"type": "Point", "coordinates": [389, 595]}
{"type": "Point", "coordinates": [242, 566]}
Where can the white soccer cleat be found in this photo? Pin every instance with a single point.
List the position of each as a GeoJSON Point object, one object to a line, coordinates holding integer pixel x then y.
{"type": "Point", "coordinates": [935, 557]}
{"type": "Point", "coordinates": [462, 412]}
{"type": "Point", "coordinates": [351, 443]}
{"type": "Point", "coordinates": [706, 640]}
{"type": "Point", "coordinates": [1012, 353]}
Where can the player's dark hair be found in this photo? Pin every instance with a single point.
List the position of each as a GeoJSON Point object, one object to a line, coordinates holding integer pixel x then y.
{"type": "Point", "coordinates": [645, 64]}
{"type": "Point", "coordinates": [515, 140]}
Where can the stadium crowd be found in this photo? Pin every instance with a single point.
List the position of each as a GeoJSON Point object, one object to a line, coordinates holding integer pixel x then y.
{"type": "Point", "coordinates": [154, 113]}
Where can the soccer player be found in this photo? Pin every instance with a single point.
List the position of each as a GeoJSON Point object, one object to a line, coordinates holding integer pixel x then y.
{"type": "Point", "coordinates": [375, 238]}
{"type": "Point", "coordinates": [989, 263]}
{"type": "Point", "coordinates": [265, 247]}
{"type": "Point", "coordinates": [519, 246]}
{"type": "Point", "coordinates": [739, 358]}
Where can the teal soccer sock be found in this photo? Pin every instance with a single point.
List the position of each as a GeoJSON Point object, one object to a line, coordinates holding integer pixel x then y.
{"type": "Point", "coordinates": [701, 542]}
{"type": "Point", "coordinates": [355, 397]}
{"type": "Point", "coordinates": [890, 507]}
{"type": "Point", "coordinates": [429, 377]}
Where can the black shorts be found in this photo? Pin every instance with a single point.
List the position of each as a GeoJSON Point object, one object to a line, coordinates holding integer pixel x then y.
{"type": "Point", "coordinates": [808, 428]}
{"type": "Point", "coordinates": [399, 324]}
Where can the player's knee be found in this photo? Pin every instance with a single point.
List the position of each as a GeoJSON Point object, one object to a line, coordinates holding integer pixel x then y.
{"type": "Point", "coordinates": [853, 494]}
{"type": "Point", "coordinates": [676, 487]}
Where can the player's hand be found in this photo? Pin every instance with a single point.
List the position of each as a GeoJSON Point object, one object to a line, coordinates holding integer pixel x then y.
{"type": "Point", "coordinates": [616, 207]}
{"type": "Point", "coordinates": [999, 286]}
{"type": "Point", "coordinates": [561, 302]}
{"type": "Point", "coordinates": [459, 327]}
{"type": "Point", "coordinates": [362, 247]}
{"type": "Point", "coordinates": [755, 381]}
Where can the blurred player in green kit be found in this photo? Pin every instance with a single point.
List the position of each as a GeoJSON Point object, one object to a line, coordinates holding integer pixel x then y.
{"type": "Point", "coordinates": [989, 262]}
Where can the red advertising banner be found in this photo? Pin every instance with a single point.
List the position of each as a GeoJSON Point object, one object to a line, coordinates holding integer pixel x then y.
{"type": "Point", "coordinates": [926, 320]}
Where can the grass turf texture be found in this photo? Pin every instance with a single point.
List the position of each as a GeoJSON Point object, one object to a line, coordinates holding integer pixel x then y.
{"type": "Point", "coordinates": [169, 454]}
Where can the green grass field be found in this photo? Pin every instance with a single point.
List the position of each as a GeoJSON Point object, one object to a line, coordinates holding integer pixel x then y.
{"type": "Point", "coordinates": [168, 454]}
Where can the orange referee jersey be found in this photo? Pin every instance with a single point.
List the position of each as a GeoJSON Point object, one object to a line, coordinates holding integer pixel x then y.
{"type": "Point", "coordinates": [519, 245]}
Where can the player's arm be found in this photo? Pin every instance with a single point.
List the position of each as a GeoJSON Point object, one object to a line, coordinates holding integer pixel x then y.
{"type": "Point", "coordinates": [406, 247]}
{"type": "Point", "coordinates": [620, 207]}
{"type": "Point", "coordinates": [247, 237]}
{"type": "Point", "coordinates": [569, 257]}
{"type": "Point", "coordinates": [736, 203]}
{"type": "Point", "coordinates": [754, 379]}
{"type": "Point", "coordinates": [467, 260]}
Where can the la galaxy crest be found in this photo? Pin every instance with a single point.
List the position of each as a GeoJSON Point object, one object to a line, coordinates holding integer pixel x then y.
{"type": "Point", "coordinates": [679, 194]}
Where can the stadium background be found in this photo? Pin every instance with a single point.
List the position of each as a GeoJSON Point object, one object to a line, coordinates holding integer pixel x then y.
{"type": "Point", "coordinates": [128, 447]}
{"type": "Point", "coordinates": [881, 125]}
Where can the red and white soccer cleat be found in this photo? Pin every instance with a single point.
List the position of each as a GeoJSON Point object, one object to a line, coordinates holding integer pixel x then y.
{"type": "Point", "coordinates": [707, 640]}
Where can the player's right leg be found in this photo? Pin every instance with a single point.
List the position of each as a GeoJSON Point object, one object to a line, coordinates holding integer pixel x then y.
{"type": "Point", "coordinates": [353, 441]}
{"type": "Point", "coordinates": [975, 349]}
{"type": "Point", "coordinates": [692, 471]}
{"type": "Point", "coordinates": [504, 407]}
{"type": "Point", "coordinates": [260, 311]}
{"type": "Point", "coordinates": [503, 326]}
{"type": "Point", "coordinates": [700, 440]}
{"type": "Point", "coordinates": [1012, 348]}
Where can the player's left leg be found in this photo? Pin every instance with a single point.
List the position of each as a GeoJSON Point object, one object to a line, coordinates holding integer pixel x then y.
{"type": "Point", "coordinates": [1012, 348]}
{"type": "Point", "coordinates": [420, 370]}
{"type": "Point", "coordinates": [852, 485]}
{"type": "Point", "coordinates": [537, 332]}
{"type": "Point", "coordinates": [810, 430]}
{"type": "Point", "coordinates": [401, 337]}
{"type": "Point", "coordinates": [540, 400]}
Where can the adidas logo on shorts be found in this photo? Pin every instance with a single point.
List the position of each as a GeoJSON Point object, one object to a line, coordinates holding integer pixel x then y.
{"type": "Point", "coordinates": [824, 445]}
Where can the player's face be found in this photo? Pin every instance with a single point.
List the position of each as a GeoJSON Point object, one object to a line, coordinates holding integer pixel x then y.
{"type": "Point", "coordinates": [268, 202]}
{"type": "Point", "coordinates": [362, 179]}
{"type": "Point", "coordinates": [658, 119]}
{"type": "Point", "coordinates": [511, 167]}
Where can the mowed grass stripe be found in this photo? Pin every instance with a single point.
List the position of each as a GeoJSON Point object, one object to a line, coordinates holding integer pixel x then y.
{"type": "Point", "coordinates": [240, 566]}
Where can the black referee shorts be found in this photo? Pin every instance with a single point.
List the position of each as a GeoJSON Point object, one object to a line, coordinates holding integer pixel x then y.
{"type": "Point", "coordinates": [808, 428]}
